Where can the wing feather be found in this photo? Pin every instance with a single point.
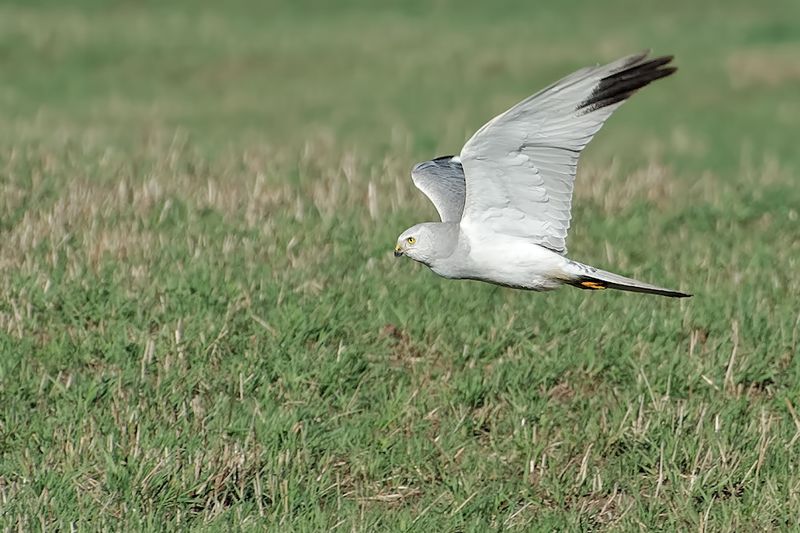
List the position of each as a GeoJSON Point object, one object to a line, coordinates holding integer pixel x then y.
{"type": "Point", "coordinates": [520, 166]}
{"type": "Point", "coordinates": [442, 181]}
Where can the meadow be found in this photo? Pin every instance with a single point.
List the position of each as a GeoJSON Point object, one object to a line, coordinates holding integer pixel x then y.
{"type": "Point", "coordinates": [202, 325]}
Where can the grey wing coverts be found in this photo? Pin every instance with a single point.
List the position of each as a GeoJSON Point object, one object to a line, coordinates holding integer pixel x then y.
{"type": "Point", "coordinates": [442, 181]}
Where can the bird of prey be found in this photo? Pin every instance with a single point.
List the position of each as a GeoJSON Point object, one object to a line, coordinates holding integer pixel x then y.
{"type": "Point", "coordinates": [505, 201]}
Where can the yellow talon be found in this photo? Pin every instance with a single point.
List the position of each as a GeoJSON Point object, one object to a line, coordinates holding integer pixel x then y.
{"type": "Point", "coordinates": [593, 285]}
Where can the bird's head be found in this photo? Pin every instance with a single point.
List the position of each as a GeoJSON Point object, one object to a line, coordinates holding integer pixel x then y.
{"type": "Point", "coordinates": [417, 243]}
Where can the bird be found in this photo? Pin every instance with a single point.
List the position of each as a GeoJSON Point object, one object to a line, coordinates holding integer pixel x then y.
{"type": "Point", "coordinates": [505, 201]}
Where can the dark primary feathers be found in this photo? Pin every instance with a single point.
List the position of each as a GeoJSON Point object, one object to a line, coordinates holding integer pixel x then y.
{"type": "Point", "coordinates": [620, 85]}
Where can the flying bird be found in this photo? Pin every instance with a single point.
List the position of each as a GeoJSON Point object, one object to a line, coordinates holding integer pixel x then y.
{"type": "Point", "coordinates": [505, 201]}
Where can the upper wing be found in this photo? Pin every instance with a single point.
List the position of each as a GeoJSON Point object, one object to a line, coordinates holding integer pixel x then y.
{"type": "Point", "coordinates": [520, 166]}
{"type": "Point", "coordinates": [442, 181]}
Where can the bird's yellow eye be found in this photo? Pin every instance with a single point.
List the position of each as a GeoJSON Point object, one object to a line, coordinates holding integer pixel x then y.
{"type": "Point", "coordinates": [411, 240]}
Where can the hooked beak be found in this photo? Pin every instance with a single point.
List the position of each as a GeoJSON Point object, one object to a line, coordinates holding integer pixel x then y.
{"type": "Point", "coordinates": [398, 251]}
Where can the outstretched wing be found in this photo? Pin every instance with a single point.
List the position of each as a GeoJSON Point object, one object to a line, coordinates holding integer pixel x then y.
{"type": "Point", "coordinates": [442, 181]}
{"type": "Point", "coordinates": [520, 166]}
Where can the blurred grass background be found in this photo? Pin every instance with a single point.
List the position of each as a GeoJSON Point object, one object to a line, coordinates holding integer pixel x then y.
{"type": "Point", "coordinates": [201, 324]}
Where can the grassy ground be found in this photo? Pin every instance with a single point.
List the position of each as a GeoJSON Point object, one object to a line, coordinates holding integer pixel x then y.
{"type": "Point", "coordinates": [202, 325]}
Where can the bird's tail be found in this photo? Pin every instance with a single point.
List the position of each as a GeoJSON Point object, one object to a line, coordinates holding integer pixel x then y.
{"type": "Point", "coordinates": [590, 278]}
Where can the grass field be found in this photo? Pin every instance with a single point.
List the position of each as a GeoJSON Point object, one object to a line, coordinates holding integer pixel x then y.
{"type": "Point", "coordinates": [202, 324]}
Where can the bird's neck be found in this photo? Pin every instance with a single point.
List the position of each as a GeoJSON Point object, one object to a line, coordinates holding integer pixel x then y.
{"type": "Point", "coordinates": [446, 235]}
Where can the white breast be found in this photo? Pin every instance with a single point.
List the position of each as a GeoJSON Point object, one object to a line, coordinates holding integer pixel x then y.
{"type": "Point", "coordinates": [511, 261]}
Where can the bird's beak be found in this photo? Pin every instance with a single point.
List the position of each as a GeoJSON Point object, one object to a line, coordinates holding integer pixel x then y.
{"type": "Point", "coordinates": [398, 251]}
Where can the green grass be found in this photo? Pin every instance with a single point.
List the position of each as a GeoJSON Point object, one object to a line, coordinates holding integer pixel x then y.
{"type": "Point", "coordinates": [202, 324]}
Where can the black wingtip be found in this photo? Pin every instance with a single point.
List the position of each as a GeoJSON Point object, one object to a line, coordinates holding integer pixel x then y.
{"type": "Point", "coordinates": [621, 84]}
{"type": "Point", "coordinates": [673, 294]}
